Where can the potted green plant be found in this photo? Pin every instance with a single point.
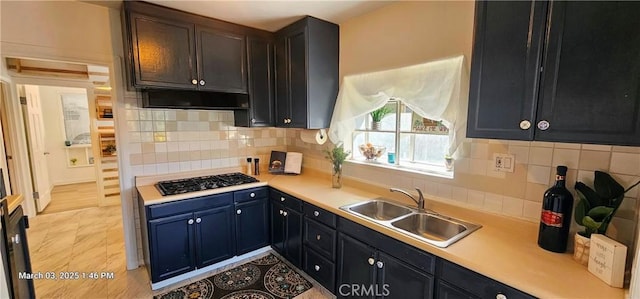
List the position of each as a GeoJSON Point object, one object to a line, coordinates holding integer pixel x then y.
{"type": "Point", "coordinates": [337, 155]}
{"type": "Point", "coordinates": [448, 162]}
{"type": "Point", "coordinates": [377, 116]}
{"type": "Point", "coordinates": [595, 209]}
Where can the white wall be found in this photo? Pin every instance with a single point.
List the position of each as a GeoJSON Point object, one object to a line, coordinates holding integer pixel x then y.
{"type": "Point", "coordinates": [59, 172]}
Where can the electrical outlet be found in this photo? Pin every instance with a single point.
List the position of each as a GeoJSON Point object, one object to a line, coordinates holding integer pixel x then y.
{"type": "Point", "coordinates": [504, 162]}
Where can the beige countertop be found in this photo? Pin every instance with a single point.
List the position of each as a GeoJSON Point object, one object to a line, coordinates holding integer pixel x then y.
{"type": "Point", "coordinates": [13, 201]}
{"type": "Point", "coordinates": [504, 249]}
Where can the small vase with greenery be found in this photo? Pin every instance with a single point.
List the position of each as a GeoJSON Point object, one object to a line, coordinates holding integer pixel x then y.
{"type": "Point", "coordinates": [377, 116]}
{"type": "Point", "coordinates": [337, 155]}
{"type": "Point", "coordinates": [595, 210]}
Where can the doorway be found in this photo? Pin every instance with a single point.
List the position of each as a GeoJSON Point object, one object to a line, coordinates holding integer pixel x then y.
{"type": "Point", "coordinates": [57, 125]}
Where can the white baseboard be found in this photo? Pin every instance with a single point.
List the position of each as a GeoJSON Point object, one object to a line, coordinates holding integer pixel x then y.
{"type": "Point", "coordinates": [182, 277]}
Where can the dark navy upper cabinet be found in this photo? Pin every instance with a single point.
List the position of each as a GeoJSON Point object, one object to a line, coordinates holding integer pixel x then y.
{"type": "Point", "coordinates": [584, 89]}
{"type": "Point", "coordinates": [590, 88]}
{"type": "Point", "coordinates": [307, 57]}
{"type": "Point", "coordinates": [221, 60]}
{"type": "Point", "coordinates": [252, 221]}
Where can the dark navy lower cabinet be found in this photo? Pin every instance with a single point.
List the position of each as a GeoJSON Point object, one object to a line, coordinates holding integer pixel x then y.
{"type": "Point", "coordinates": [188, 234]}
{"type": "Point", "coordinates": [252, 229]}
{"type": "Point", "coordinates": [286, 226]}
{"type": "Point", "coordinates": [446, 291]}
{"type": "Point", "coordinates": [215, 235]}
{"type": "Point", "coordinates": [172, 246]}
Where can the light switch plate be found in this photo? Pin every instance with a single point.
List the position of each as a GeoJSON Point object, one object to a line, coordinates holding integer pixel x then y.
{"type": "Point", "coordinates": [504, 162]}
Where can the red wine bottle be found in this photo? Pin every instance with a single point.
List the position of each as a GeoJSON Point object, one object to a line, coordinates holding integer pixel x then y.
{"type": "Point", "coordinates": [556, 215]}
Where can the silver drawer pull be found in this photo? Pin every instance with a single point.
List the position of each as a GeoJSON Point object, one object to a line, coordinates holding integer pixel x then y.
{"type": "Point", "coordinates": [501, 296]}
{"type": "Point", "coordinates": [380, 264]}
{"type": "Point", "coordinates": [190, 221]}
{"type": "Point", "coordinates": [252, 195]}
{"type": "Point", "coordinates": [194, 82]}
{"type": "Point", "coordinates": [316, 267]}
{"type": "Point", "coordinates": [198, 220]}
{"type": "Point", "coordinates": [316, 213]}
{"type": "Point", "coordinates": [543, 125]}
{"type": "Point", "coordinates": [318, 237]}
{"type": "Point", "coordinates": [525, 124]}
{"type": "Point", "coordinates": [281, 212]}
{"type": "Point", "coordinates": [239, 212]}
{"type": "Point", "coordinates": [281, 198]}
{"type": "Point", "coordinates": [284, 214]}
{"type": "Point", "coordinates": [202, 82]}
{"type": "Point", "coordinates": [371, 261]}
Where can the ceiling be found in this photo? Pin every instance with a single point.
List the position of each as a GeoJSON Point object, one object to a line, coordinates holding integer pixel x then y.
{"type": "Point", "coordinates": [269, 15]}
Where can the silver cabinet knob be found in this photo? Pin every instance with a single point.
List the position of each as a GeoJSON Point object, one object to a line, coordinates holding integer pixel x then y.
{"type": "Point", "coordinates": [371, 261]}
{"type": "Point", "coordinates": [316, 213]}
{"type": "Point", "coordinates": [202, 82]}
{"type": "Point", "coordinates": [318, 237]}
{"type": "Point", "coordinates": [316, 267]}
{"type": "Point", "coordinates": [501, 296]}
{"type": "Point", "coordinates": [525, 124]}
{"type": "Point", "coordinates": [239, 212]}
{"type": "Point", "coordinates": [282, 198]}
{"type": "Point", "coordinates": [253, 120]}
{"type": "Point", "coordinates": [543, 125]}
{"type": "Point", "coordinates": [252, 195]}
{"type": "Point", "coordinates": [380, 264]}
{"type": "Point", "coordinates": [190, 221]}
{"type": "Point", "coordinates": [198, 220]}
{"type": "Point", "coordinates": [281, 212]}
{"type": "Point", "coordinates": [15, 239]}
{"type": "Point", "coordinates": [194, 82]}
{"type": "Point", "coordinates": [284, 214]}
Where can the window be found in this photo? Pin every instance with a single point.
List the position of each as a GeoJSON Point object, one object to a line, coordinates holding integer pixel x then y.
{"type": "Point", "coordinates": [417, 142]}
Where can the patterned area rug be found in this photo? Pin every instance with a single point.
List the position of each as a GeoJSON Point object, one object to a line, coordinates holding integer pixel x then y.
{"type": "Point", "coordinates": [264, 278]}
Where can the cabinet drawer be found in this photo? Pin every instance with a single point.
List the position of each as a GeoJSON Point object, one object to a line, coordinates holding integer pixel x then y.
{"type": "Point", "coordinates": [320, 215]}
{"type": "Point", "coordinates": [321, 238]}
{"type": "Point", "coordinates": [475, 283]}
{"type": "Point", "coordinates": [286, 200]}
{"type": "Point", "coordinates": [250, 194]}
{"type": "Point", "coordinates": [321, 269]}
{"type": "Point", "coordinates": [188, 205]}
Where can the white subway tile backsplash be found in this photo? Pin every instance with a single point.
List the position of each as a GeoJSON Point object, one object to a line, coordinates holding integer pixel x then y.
{"type": "Point", "coordinates": [625, 163]}
{"type": "Point", "coordinates": [478, 166]}
{"type": "Point", "coordinates": [538, 174]}
{"type": "Point", "coordinates": [459, 194]}
{"type": "Point", "coordinates": [475, 198]}
{"type": "Point", "coordinates": [567, 157]}
{"type": "Point", "coordinates": [461, 165]}
{"type": "Point", "coordinates": [444, 191]}
{"type": "Point", "coordinates": [480, 151]}
{"type": "Point", "coordinates": [513, 206]}
{"type": "Point", "coordinates": [532, 210]}
{"type": "Point", "coordinates": [540, 156]}
{"type": "Point", "coordinates": [520, 152]}
{"type": "Point", "coordinates": [493, 173]}
{"type": "Point", "coordinates": [567, 145]}
{"type": "Point", "coordinates": [597, 147]}
{"type": "Point", "coordinates": [493, 202]}
{"type": "Point", "coordinates": [541, 144]}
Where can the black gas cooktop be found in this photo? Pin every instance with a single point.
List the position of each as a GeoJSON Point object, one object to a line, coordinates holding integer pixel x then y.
{"type": "Point", "coordinates": [203, 183]}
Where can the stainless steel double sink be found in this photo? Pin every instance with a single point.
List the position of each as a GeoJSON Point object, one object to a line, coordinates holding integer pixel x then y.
{"type": "Point", "coordinates": [430, 227]}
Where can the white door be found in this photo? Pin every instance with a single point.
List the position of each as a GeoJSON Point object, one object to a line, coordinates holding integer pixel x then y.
{"type": "Point", "coordinates": [37, 150]}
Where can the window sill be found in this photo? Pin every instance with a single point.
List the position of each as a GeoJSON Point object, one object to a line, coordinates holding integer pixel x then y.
{"type": "Point", "coordinates": [423, 169]}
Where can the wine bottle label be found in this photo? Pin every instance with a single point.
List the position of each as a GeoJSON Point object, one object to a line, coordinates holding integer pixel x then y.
{"type": "Point", "coordinates": [551, 218]}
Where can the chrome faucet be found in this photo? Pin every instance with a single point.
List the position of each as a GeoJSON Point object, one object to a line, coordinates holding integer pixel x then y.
{"type": "Point", "coordinates": [419, 201]}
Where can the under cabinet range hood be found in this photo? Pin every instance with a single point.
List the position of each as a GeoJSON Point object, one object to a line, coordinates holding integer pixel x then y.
{"type": "Point", "coordinates": [187, 99]}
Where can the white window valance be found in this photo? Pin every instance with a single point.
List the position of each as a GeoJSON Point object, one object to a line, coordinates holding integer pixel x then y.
{"type": "Point", "coordinates": [436, 90]}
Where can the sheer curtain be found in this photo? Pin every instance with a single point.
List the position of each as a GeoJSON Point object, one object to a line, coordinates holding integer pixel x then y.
{"type": "Point", "coordinates": [436, 90]}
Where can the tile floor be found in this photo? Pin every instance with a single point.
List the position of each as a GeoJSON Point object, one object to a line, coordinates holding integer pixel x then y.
{"type": "Point", "coordinates": [91, 241]}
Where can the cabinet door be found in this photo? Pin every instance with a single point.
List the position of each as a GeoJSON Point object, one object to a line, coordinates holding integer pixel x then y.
{"type": "Point", "coordinates": [261, 93]}
{"type": "Point", "coordinates": [163, 52]}
{"type": "Point", "coordinates": [283, 94]}
{"type": "Point", "coordinates": [507, 54]}
{"type": "Point", "coordinates": [277, 227]}
{"type": "Point", "coordinates": [252, 225]}
{"type": "Point", "coordinates": [221, 61]}
{"type": "Point", "coordinates": [591, 82]}
{"type": "Point", "coordinates": [172, 247]}
{"type": "Point", "coordinates": [445, 291]}
{"type": "Point", "coordinates": [293, 245]}
{"type": "Point", "coordinates": [19, 259]}
{"type": "Point", "coordinates": [297, 56]}
{"type": "Point", "coordinates": [399, 280]}
{"type": "Point", "coordinates": [356, 266]}
{"type": "Point", "coordinates": [215, 234]}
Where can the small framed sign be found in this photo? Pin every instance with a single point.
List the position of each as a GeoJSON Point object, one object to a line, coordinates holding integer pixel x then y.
{"type": "Point", "coordinates": [607, 260]}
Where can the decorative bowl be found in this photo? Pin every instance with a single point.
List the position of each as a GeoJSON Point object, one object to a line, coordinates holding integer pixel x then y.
{"type": "Point", "coordinates": [371, 152]}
